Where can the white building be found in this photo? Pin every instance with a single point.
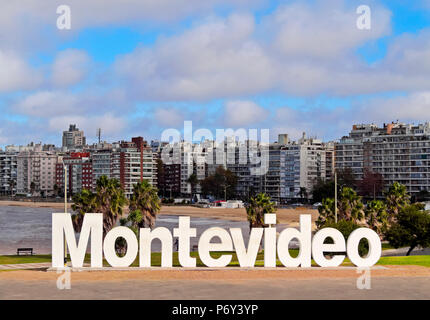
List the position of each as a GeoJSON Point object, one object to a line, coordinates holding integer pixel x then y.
{"type": "Point", "coordinates": [36, 172]}
{"type": "Point", "coordinates": [399, 152]}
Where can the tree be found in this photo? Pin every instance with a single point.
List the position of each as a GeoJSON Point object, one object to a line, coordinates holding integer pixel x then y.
{"type": "Point", "coordinates": [133, 221]}
{"type": "Point", "coordinates": [322, 190]}
{"type": "Point", "coordinates": [376, 216]}
{"type": "Point", "coordinates": [221, 184]}
{"type": "Point", "coordinates": [423, 195]}
{"type": "Point", "coordinates": [193, 181]}
{"type": "Point", "coordinates": [32, 187]}
{"type": "Point", "coordinates": [371, 185]}
{"type": "Point", "coordinates": [303, 194]}
{"type": "Point", "coordinates": [349, 208]}
{"type": "Point", "coordinates": [346, 228]}
{"type": "Point", "coordinates": [11, 186]}
{"type": "Point", "coordinates": [326, 212]}
{"type": "Point", "coordinates": [109, 199]}
{"type": "Point", "coordinates": [412, 228]}
{"type": "Point", "coordinates": [83, 202]}
{"type": "Point", "coordinates": [345, 178]}
{"type": "Point", "coordinates": [145, 200]}
{"type": "Point", "coordinates": [256, 209]}
{"type": "Point", "coordinates": [396, 198]}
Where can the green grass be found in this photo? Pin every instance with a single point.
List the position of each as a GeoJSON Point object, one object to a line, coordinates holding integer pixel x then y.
{"type": "Point", "coordinates": [156, 259]}
{"type": "Point", "coordinates": [25, 259]}
{"type": "Point", "coordinates": [403, 260]}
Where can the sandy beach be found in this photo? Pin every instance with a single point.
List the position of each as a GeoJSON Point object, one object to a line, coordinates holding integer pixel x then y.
{"type": "Point", "coordinates": [391, 282]}
{"type": "Point", "coordinates": [284, 216]}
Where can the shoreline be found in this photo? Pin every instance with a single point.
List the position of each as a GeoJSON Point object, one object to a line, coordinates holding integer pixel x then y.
{"type": "Point", "coordinates": [284, 216]}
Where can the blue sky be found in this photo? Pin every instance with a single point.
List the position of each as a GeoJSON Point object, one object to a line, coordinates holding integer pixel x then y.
{"type": "Point", "coordinates": [139, 67]}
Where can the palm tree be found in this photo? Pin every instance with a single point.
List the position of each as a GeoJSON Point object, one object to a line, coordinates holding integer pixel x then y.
{"type": "Point", "coordinates": [145, 200]}
{"type": "Point", "coordinates": [326, 212]}
{"type": "Point", "coordinates": [396, 198]}
{"type": "Point", "coordinates": [109, 199]}
{"type": "Point", "coordinates": [83, 202]}
{"type": "Point", "coordinates": [376, 215]}
{"type": "Point", "coordinates": [256, 209]}
{"type": "Point", "coordinates": [193, 181]}
{"type": "Point", "coordinates": [350, 206]}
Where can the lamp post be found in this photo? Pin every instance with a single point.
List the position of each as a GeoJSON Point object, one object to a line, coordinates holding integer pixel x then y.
{"type": "Point", "coordinates": [335, 197]}
{"type": "Point", "coordinates": [65, 211]}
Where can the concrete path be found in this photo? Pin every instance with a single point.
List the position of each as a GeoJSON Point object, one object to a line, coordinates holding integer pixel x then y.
{"type": "Point", "coordinates": [403, 251]}
{"type": "Point", "coordinates": [25, 266]}
{"type": "Point", "coordinates": [338, 289]}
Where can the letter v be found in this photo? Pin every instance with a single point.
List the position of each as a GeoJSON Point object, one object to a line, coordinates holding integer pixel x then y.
{"type": "Point", "coordinates": [247, 257]}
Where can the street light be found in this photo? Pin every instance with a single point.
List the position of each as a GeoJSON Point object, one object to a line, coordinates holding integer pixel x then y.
{"type": "Point", "coordinates": [65, 211]}
{"type": "Point", "coordinates": [335, 197]}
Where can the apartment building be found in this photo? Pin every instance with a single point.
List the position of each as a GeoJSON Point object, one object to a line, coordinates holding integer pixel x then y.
{"type": "Point", "coordinates": [73, 138]}
{"type": "Point", "coordinates": [399, 152]}
{"type": "Point", "coordinates": [8, 172]}
{"type": "Point", "coordinates": [128, 161]}
{"type": "Point", "coordinates": [36, 172]}
{"type": "Point", "coordinates": [79, 172]}
{"type": "Point", "coordinates": [294, 165]}
{"type": "Point", "coordinates": [132, 163]}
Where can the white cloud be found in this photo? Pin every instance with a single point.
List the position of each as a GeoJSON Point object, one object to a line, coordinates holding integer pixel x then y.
{"type": "Point", "coordinates": [112, 125]}
{"type": "Point", "coordinates": [16, 74]}
{"type": "Point", "coordinates": [169, 117]}
{"type": "Point", "coordinates": [47, 103]}
{"type": "Point", "coordinates": [32, 23]}
{"type": "Point", "coordinates": [69, 67]}
{"type": "Point", "coordinates": [243, 113]}
{"type": "Point", "coordinates": [324, 29]}
{"type": "Point", "coordinates": [213, 60]}
{"type": "Point", "coordinates": [299, 49]}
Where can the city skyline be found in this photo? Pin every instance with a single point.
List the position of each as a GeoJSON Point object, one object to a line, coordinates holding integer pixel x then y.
{"type": "Point", "coordinates": [139, 67]}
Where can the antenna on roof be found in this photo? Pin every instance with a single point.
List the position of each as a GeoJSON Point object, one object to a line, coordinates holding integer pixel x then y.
{"type": "Point", "coordinates": [99, 134]}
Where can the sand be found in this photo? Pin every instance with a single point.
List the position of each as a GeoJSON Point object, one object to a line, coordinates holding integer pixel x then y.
{"type": "Point", "coordinates": [219, 275]}
{"type": "Point", "coordinates": [33, 204]}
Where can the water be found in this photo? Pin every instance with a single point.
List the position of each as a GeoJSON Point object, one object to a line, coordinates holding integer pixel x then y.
{"type": "Point", "coordinates": [24, 227]}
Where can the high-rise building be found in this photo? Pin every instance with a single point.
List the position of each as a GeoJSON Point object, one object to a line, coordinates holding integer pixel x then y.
{"type": "Point", "coordinates": [36, 171]}
{"type": "Point", "coordinates": [79, 172]}
{"type": "Point", "coordinates": [73, 138]}
{"type": "Point", "coordinates": [399, 152]}
{"type": "Point", "coordinates": [8, 172]}
{"type": "Point", "coordinates": [128, 161]}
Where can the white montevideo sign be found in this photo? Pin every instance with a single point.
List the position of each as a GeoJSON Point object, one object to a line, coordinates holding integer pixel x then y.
{"type": "Point", "coordinates": [232, 240]}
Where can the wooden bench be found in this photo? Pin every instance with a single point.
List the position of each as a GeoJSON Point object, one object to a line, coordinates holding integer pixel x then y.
{"type": "Point", "coordinates": [24, 250]}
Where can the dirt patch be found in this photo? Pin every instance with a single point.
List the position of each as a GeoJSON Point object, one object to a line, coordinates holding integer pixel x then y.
{"type": "Point", "coordinates": [218, 275]}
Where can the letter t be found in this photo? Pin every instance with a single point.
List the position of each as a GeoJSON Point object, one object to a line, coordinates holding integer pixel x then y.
{"type": "Point", "coordinates": [184, 233]}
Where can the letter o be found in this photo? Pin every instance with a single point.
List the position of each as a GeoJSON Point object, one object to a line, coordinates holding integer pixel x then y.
{"type": "Point", "coordinates": [109, 247]}
{"type": "Point", "coordinates": [375, 248]}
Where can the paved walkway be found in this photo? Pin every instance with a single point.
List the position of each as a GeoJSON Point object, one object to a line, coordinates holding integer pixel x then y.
{"type": "Point", "coordinates": [23, 266]}
{"type": "Point", "coordinates": [403, 251]}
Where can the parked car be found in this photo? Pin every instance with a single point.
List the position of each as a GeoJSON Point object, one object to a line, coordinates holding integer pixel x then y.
{"type": "Point", "coordinates": [317, 204]}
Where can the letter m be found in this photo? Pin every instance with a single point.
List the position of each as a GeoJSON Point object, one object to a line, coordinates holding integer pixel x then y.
{"type": "Point", "coordinates": [62, 226]}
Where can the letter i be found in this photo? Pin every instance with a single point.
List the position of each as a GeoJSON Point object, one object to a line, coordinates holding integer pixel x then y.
{"type": "Point", "coordinates": [270, 240]}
